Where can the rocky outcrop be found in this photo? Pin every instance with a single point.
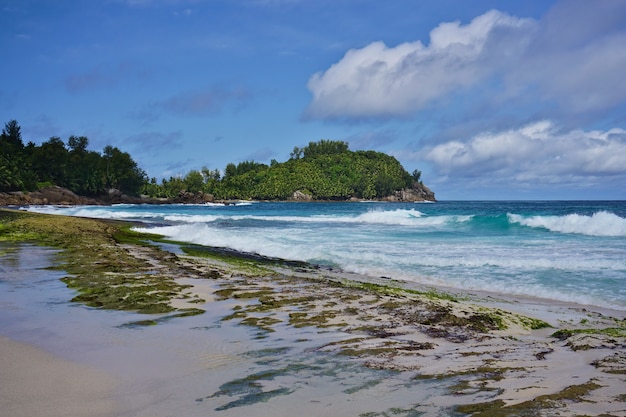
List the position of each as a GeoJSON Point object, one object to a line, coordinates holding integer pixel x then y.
{"type": "Point", "coordinates": [185, 197]}
{"type": "Point", "coordinates": [419, 192]}
{"type": "Point", "coordinates": [48, 195]}
{"type": "Point", "coordinates": [300, 196]}
{"type": "Point", "coordinates": [62, 196]}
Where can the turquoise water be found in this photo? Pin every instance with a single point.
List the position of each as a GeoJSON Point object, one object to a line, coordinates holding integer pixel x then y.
{"type": "Point", "coordinates": [566, 251]}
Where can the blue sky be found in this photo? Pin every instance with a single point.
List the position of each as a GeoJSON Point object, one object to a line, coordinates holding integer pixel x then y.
{"type": "Point", "coordinates": [489, 99]}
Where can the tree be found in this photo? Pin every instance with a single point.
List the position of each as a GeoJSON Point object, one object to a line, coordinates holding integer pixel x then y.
{"type": "Point", "coordinates": [13, 165]}
{"type": "Point", "coordinates": [77, 145]}
{"type": "Point", "coordinates": [296, 153]}
{"type": "Point", "coordinates": [84, 169]}
{"type": "Point", "coordinates": [121, 171]}
{"type": "Point", "coordinates": [194, 181]}
{"type": "Point", "coordinates": [11, 138]}
{"type": "Point", "coordinates": [50, 162]}
{"type": "Point", "coordinates": [211, 179]}
{"type": "Point", "coordinates": [230, 171]}
{"type": "Point", "coordinates": [416, 175]}
{"type": "Point", "coordinates": [324, 147]}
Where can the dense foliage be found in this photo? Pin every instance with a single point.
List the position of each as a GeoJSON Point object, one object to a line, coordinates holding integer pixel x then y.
{"type": "Point", "coordinates": [29, 167]}
{"type": "Point", "coordinates": [323, 170]}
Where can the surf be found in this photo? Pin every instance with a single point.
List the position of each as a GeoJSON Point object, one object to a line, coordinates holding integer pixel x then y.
{"type": "Point", "coordinates": [601, 223]}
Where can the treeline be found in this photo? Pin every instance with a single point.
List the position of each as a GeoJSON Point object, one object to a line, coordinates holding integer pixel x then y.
{"type": "Point", "coordinates": [30, 167]}
{"type": "Point", "coordinates": [323, 170]}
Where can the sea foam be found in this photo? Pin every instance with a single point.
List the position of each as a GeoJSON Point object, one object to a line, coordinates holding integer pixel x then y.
{"type": "Point", "coordinates": [398, 217]}
{"type": "Point", "coordinates": [602, 223]}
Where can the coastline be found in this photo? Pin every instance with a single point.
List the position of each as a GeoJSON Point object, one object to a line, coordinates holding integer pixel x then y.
{"type": "Point", "coordinates": [56, 195]}
{"type": "Point", "coordinates": [495, 354]}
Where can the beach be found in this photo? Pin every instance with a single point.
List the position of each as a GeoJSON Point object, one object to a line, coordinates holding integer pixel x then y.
{"type": "Point", "coordinates": [37, 383]}
{"type": "Point", "coordinates": [255, 335]}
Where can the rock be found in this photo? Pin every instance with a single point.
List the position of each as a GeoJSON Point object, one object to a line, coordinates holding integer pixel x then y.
{"type": "Point", "coordinates": [300, 196]}
{"type": "Point", "coordinates": [419, 192]}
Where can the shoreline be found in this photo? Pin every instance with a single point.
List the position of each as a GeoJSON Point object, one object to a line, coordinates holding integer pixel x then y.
{"type": "Point", "coordinates": [491, 358]}
{"type": "Point", "coordinates": [56, 195]}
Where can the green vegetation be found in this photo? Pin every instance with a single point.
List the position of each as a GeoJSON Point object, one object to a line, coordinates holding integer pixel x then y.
{"type": "Point", "coordinates": [564, 334]}
{"type": "Point", "coordinates": [323, 170]}
{"type": "Point", "coordinates": [102, 267]}
{"type": "Point", "coordinates": [535, 407]}
{"type": "Point", "coordinates": [88, 173]}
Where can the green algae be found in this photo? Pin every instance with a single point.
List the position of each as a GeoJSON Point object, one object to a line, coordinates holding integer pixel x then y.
{"type": "Point", "coordinates": [535, 407]}
{"type": "Point", "coordinates": [396, 290]}
{"type": "Point", "coordinates": [531, 323]}
{"type": "Point", "coordinates": [101, 267]}
{"type": "Point", "coordinates": [442, 319]}
{"type": "Point", "coordinates": [300, 319]}
{"type": "Point", "coordinates": [564, 334]}
{"type": "Point", "coordinates": [396, 411]}
{"type": "Point", "coordinates": [263, 323]}
{"type": "Point", "coordinates": [147, 295]}
{"type": "Point", "coordinates": [250, 264]}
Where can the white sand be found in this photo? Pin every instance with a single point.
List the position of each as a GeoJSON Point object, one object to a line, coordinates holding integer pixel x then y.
{"type": "Point", "coordinates": [36, 383]}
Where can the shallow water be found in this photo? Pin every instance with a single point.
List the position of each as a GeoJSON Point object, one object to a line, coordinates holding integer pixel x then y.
{"type": "Point", "coordinates": [569, 251]}
{"type": "Point", "coordinates": [201, 365]}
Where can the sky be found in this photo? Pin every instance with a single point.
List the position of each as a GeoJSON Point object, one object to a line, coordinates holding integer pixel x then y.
{"type": "Point", "coordinates": [490, 100]}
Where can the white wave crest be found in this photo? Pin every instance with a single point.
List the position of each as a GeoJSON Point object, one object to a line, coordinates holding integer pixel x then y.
{"type": "Point", "coordinates": [601, 223]}
{"type": "Point", "coordinates": [192, 218]}
{"type": "Point", "coordinates": [393, 218]}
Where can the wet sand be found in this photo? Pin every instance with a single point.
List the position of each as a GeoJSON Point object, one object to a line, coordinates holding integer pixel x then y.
{"type": "Point", "coordinates": [36, 383]}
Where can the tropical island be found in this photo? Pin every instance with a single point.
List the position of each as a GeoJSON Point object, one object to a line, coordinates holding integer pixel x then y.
{"type": "Point", "coordinates": [326, 170]}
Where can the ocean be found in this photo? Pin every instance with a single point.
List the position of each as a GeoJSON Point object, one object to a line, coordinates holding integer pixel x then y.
{"type": "Point", "coordinates": [566, 251]}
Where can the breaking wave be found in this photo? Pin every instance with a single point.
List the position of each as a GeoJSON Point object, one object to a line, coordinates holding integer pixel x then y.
{"type": "Point", "coordinates": [602, 223]}
{"type": "Point", "coordinates": [392, 218]}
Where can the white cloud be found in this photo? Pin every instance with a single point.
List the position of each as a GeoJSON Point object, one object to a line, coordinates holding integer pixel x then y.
{"type": "Point", "coordinates": [537, 153]}
{"type": "Point", "coordinates": [567, 64]}
{"type": "Point", "coordinates": [379, 81]}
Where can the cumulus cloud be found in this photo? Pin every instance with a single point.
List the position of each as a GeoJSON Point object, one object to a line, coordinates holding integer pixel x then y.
{"type": "Point", "coordinates": [570, 61]}
{"type": "Point", "coordinates": [537, 153]}
{"type": "Point", "coordinates": [386, 81]}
